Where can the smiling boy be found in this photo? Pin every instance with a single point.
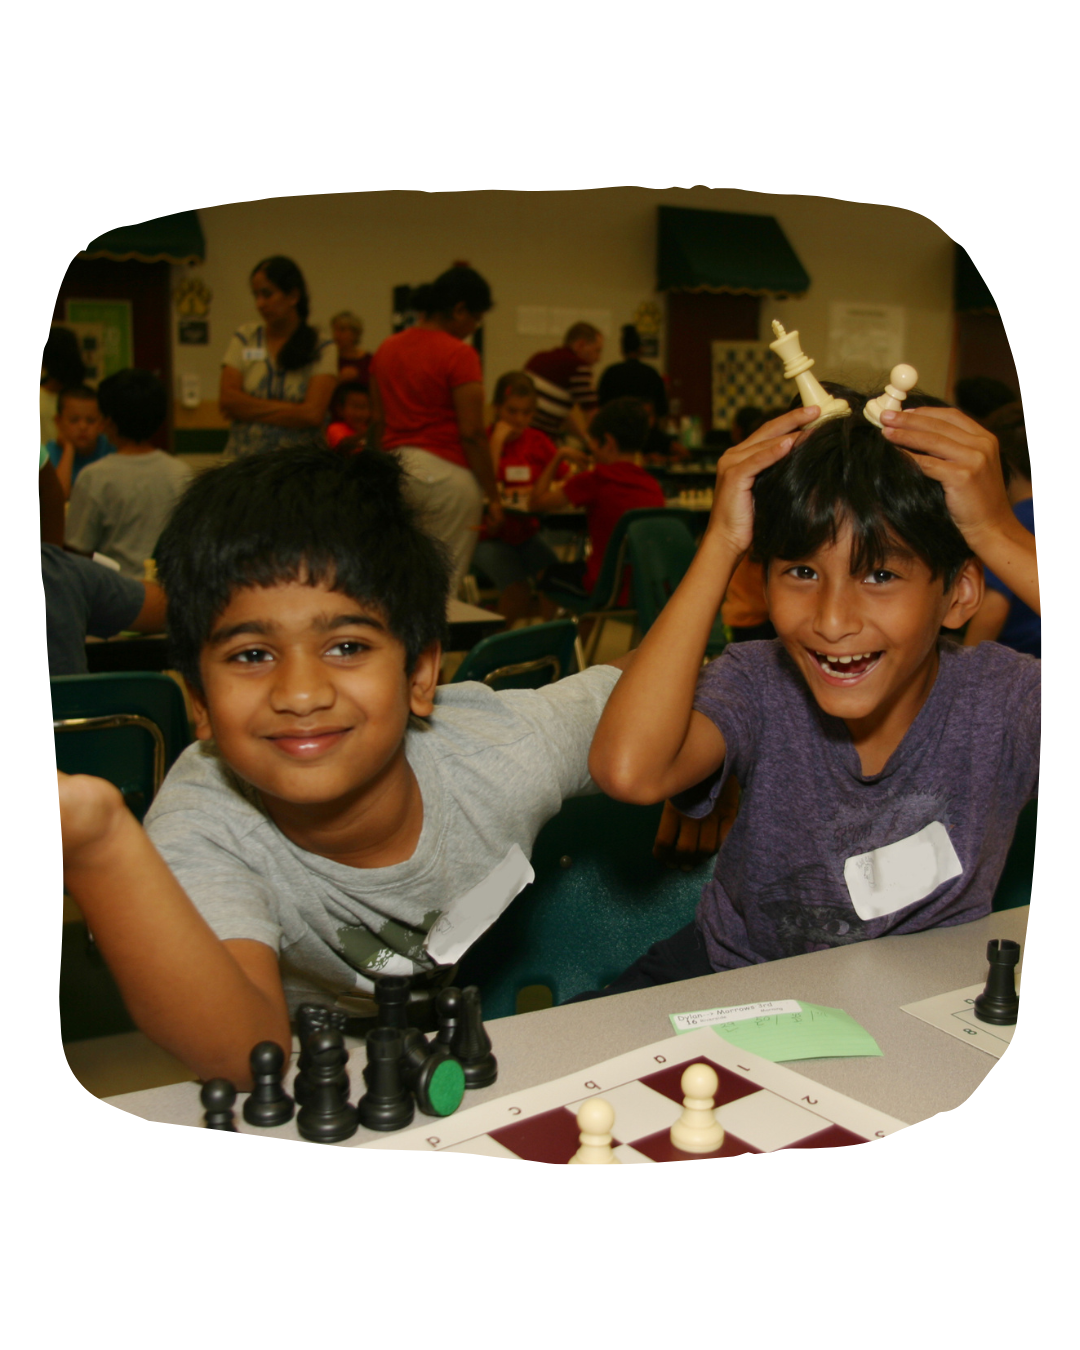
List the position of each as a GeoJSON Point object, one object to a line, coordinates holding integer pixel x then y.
{"type": "Point", "coordinates": [882, 769]}
{"type": "Point", "coordinates": [339, 815]}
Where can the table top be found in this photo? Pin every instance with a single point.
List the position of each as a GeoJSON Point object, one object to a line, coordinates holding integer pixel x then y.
{"type": "Point", "coordinates": [921, 1071]}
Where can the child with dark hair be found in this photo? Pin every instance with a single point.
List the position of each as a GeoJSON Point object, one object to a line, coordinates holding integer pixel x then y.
{"type": "Point", "coordinates": [618, 484]}
{"type": "Point", "coordinates": [339, 813]}
{"type": "Point", "coordinates": [882, 768]}
{"type": "Point", "coordinates": [120, 505]}
{"type": "Point", "coordinates": [61, 366]}
{"type": "Point", "coordinates": [350, 413]}
{"type": "Point", "coordinates": [277, 375]}
{"type": "Point", "coordinates": [79, 438]}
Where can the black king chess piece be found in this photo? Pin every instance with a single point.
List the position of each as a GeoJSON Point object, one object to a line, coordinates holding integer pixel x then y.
{"type": "Point", "coordinates": [998, 1003]}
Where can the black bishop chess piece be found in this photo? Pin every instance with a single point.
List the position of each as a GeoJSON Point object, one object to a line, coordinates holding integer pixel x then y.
{"type": "Point", "coordinates": [471, 1044]}
{"type": "Point", "coordinates": [312, 1018]}
{"type": "Point", "coordinates": [432, 1074]}
{"type": "Point", "coordinates": [392, 998]}
{"type": "Point", "coordinates": [268, 1103]}
{"type": "Point", "coordinates": [387, 1103]}
{"type": "Point", "coordinates": [998, 1003]}
{"type": "Point", "coordinates": [217, 1097]}
{"type": "Point", "coordinates": [325, 1118]}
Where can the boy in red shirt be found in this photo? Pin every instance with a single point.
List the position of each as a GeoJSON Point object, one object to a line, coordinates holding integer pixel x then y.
{"type": "Point", "coordinates": [618, 484]}
{"type": "Point", "coordinates": [350, 414]}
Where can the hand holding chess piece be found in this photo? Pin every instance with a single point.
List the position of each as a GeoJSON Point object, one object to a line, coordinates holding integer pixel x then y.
{"type": "Point", "coordinates": [797, 367]}
{"type": "Point", "coordinates": [697, 1130]}
{"type": "Point", "coordinates": [595, 1119]}
{"type": "Point", "coordinates": [902, 379]}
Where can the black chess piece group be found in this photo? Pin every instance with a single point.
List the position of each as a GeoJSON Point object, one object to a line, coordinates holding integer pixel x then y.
{"type": "Point", "coordinates": [403, 1071]}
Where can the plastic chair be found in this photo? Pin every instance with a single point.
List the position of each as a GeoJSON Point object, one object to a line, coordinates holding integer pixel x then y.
{"type": "Point", "coordinates": [127, 727]}
{"type": "Point", "coordinates": [523, 658]}
{"type": "Point", "coordinates": [600, 899]}
{"type": "Point", "coordinates": [659, 552]}
{"type": "Point", "coordinates": [603, 603]}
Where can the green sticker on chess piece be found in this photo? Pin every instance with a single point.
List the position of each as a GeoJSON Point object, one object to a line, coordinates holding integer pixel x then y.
{"type": "Point", "coordinates": [447, 1087]}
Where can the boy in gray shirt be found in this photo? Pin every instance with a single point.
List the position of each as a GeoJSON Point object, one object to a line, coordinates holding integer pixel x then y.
{"type": "Point", "coordinates": [339, 815]}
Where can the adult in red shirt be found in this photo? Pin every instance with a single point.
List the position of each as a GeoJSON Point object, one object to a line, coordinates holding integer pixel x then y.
{"type": "Point", "coordinates": [427, 401]}
{"type": "Point", "coordinates": [618, 484]}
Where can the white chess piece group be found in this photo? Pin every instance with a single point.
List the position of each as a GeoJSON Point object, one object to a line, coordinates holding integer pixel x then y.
{"type": "Point", "coordinates": [696, 1131]}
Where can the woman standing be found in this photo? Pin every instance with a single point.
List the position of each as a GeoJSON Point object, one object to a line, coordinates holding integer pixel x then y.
{"type": "Point", "coordinates": [427, 398]}
{"type": "Point", "coordinates": [277, 378]}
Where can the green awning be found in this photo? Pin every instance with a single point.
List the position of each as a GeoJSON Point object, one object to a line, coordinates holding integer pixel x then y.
{"type": "Point", "coordinates": [970, 292]}
{"type": "Point", "coordinates": [725, 251]}
{"type": "Point", "coordinates": [175, 239]}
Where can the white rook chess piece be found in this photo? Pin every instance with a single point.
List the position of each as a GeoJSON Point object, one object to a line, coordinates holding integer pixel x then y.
{"type": "Point", "coordinates": [797, 367]}
{"type": "Point", "coordinates": [595, 1119]}
{"type": "Point", "coordinates": [697, 1130]}
{"type": "Point", "coordinates": [902, 379]}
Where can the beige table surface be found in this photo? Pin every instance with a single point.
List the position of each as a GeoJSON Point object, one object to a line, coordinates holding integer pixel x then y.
{"type": "Point", "coordinates": [922, 1070]}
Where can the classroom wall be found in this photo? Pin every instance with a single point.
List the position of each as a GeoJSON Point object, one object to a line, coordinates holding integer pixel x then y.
{"type": "Point", "coordinates": [592, 250]}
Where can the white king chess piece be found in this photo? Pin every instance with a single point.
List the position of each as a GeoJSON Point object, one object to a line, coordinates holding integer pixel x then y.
{"type": "Point", "coordinates": [797, 367]}
{"type": "Point", "coordinates": [902, 379]}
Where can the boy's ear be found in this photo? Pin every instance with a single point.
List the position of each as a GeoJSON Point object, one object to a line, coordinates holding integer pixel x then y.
{"type": "Point", "coordinates": [424, 679]}
{"type": "Point", "coordinates": [965, 595]}
{"type": "Point", "coordinates": [203, 731]}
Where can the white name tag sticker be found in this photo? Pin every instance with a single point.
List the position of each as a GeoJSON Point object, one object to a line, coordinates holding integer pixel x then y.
{"type": "Point", "coordinates": [889, 878]}
{"type": "Point", "coordinates": [474, 912]}
{"type": "Point", "coordinates": [254, 353]}
{"type": "Point", "coordinates": [714, 1017]}
{"type": "Point", "coordinates": [518, 473]}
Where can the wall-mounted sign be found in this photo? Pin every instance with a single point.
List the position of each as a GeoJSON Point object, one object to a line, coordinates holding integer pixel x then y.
{"type": "Point", "coordinates": [193, 332]}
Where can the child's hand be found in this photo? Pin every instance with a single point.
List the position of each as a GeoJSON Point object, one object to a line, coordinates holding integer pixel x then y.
{"type": "Point", "coordinates": [963, 457]}
{"type": "Point", "coordinates": [733, 505]}
{"type": "Point", "coordinates": [89, 811]}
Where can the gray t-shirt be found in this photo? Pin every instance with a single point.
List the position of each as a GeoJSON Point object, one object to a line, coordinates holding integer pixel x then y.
{"type": "Point", "coordinates": [810, 847]}
{"type": "Point", "coordinates": [120, 504]}
{"type": "Point", "coordinates": [492, 769]}
{"type": "Point", "coordinates": [83, 597]}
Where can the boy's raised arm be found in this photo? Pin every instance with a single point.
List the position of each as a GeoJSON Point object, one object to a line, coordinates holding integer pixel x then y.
{"type": "Point", "coordinates": [650, 743]}
{"type": "Point", "coordinates": [206, 1001]}
{"type": "Point", "coordinates": [964, 458]}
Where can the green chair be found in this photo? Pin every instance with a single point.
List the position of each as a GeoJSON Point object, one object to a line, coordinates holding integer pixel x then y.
{"type": "Point", "coordinates": [603, 603]}
{"type": "Point", "coordinates": [523, 658]}
{"type": "Point", "coordinates": [600, 899]}
{"type": "Point", "coordinates": [660, 552]}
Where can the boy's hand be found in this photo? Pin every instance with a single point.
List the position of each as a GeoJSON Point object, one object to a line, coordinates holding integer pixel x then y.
{"type": "Point", "coordinates": [732, 514]}
{"type": "Point", "coordinates": [963, 457]}
{"type": "Point", "coordinates": [89, 811]}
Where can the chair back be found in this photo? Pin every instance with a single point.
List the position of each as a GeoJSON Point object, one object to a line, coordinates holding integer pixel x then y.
{"type": "Point", "coordinates": [523, 658]}
{"type": "Point", "coordinates": [598, 902]}
{"type": "Point", "coordinates": [127, 727]}
{"type": "Point", "coordinates": [659, 551]}
{"type": "Point", "coordinates": [1014, 887]}
{"type": "Point", "coordinates": [609, 584]}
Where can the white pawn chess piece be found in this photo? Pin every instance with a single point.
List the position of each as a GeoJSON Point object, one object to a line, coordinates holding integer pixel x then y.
{"type": "Point", "coordinates": [902, 379]}
{"type": "Point", "coordinates": [797, 367]}
{"type": "Point", "coordinates": [595, 1119]}
{"type": "Point", "coordinates": [697, 1130]}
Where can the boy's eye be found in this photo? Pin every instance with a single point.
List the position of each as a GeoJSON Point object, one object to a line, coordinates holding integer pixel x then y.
{"type": "Point", "coordinates": [879, 576]}
{"type": "Point", "coordinates": [802, 572]}
{"type": "Point", "coordinates": [251, 656]}
{"type": "Point", "coordinates": [347, 647]}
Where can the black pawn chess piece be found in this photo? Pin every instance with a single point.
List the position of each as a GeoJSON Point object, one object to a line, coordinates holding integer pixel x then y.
{"type": "Point", "coordinates": [471, 1043]}
{"type": "Point", "coordinates": [998, 1003]}
{"type": "Point", "coordinates": [268, 1103]}
{"type": "Point", "coordinates": [217, 1097]}
{"type": "Point", "coordinates": [312, 1018]}
{"type": "Point", "coordinates": [325, 1118]}
{"type": "Point", "coordinates": [432, 1074]}
{"type": "Point", "coordinates": [449, 1010]}
{"type": "Point", "coordinates": [386, 1105]}
{"type": "Point", "coordinates": [392, 997]}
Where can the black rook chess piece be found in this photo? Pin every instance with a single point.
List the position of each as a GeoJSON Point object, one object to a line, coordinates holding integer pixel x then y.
{"type": "Point", "coordinates": [392, 996]}
{"type": "Point", "coordinates": [325, 1118]}
{"type": "Point", "coordinates": [471, 1043]}
{"type": "Point", "coordinates": [268, 1104]}
{"type": "Point", "coordinates": [998, 1003]}
{"type": "Point", "coordinates": [387, 1104]}
{"type": "Point", "coordinates": [217, 1097]}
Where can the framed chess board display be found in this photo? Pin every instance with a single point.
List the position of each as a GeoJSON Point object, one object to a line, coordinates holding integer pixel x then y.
{"type": "Point", "coordinates": [746, 374]}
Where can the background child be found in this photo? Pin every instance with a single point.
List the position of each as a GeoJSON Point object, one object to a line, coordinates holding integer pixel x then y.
{"type": "Point", "coordinates": [882, 770]}
{"type": "Point", "coordinates": [80, 439]}
{"type": "Point", "coordinates": [119, 505]}
{"type": "Point", "coordinates": [337, 803]}
{"type": "Point", "coordinates": [350, 413]}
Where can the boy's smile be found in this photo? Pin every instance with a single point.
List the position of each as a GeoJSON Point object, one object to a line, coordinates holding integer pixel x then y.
{"type": "Point", "coordinates": [306, 695]}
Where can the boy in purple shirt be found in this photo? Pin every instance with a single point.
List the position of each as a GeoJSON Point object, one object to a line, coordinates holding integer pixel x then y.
{"type": "Point", "coordinates": [882, 768]}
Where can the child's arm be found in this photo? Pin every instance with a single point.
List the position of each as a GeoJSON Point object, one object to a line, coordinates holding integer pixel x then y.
{"type": "Point", "coordinates": [66, 467]}
{"type": "Point", "coordinates": [650, 743]}
{"type": "Point", "coordinates": [546, 495]}
{"type": "Point", "coordinates": [963, 457]}
{"type": "Point", "coordinates": [499, 433]}
{"type": "Point", "coordinates": [206, 1001]}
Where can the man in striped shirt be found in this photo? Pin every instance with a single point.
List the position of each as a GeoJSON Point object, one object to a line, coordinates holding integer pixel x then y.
{"type": "Point", "coordinates": [565, 395]}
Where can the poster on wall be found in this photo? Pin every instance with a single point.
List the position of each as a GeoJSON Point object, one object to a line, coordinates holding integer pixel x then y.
{"type": "Point", "coordinates": [864, 339]}
{"type": "Point", "coordinates": [746, 375]}
{"type": "Point", "coordinates": [114, 317]}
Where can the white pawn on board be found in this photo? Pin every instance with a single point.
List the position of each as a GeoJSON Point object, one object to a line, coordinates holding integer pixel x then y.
{"type": "Point", "coordinates": [797, 367]}
{"type": "Point", "coordinates": [595, 1119]}
{"type": "Point", "coordinates": [697, 1130]}
{"type": "Point", "coordinates": [902, 379]}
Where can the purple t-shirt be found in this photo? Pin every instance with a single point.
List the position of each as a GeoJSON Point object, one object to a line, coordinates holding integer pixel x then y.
{"type": "Point", "coordinates": [970, 761]}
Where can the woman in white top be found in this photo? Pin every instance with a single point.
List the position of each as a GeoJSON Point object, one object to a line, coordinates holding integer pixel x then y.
{"type": "Point", "coordinates": [277, 377]}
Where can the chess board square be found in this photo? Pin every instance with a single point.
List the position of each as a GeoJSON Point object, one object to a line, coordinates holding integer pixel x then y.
{"type": "Point", "coordinates": [768, 1121]}
{"type": "Point", "coordinates": [482, 1146]}
{"type": "Point", "coordinates": [638, 1110]}
{"type": "Point", "coordinates": [669, 1082]}
{"type": "Point", "coordinates": [835, 1136]}
{"type": "Point", "coordinates": [659, 1148]}
{"type": "Point", "coordinates": [627, 1153]}
{"type": "Point", "coordinates": [551, 1137]}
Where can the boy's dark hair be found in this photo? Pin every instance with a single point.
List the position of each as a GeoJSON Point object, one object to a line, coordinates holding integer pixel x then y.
{"type": "Point", "coordinates": [346, 387]}
{"type": "Point", "coordinates": [135, 400]}
{"type": "Point", "coordinates": [306, 515]}
{"type": "Point", "coordinates": [302, 345]}
{"type": "Point", "coordinates": [460, 285]}
{"type": "Point", "coordinates": [979, 395]}
{"type": "Point", "coordinates": [629, 340]}
{"type": "Point", "coordinates": [847, 472]}
{"type": "Point", "coordinates": [1007, 424]}
{"type": "Point", "coordinates": [79, 391]}
{"type": "Point", "coordinates": [747, 420]}
{"type": "Point", "coordinates": [61, 359]}
{"type": "Point", "coordinates": [513, 384]}
{"type": "Point", "coordinates": [626, 420]}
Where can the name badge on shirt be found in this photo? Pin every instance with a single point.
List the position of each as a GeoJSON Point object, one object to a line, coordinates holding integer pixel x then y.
{"type": "Point", "coordinates": [474, 912]}
{"type": "Point", "coordinates": [254, 353]}
{"type": "Point", "coordinates": [889, 878]}
{"type": "Point", "coordinates": [518, 473]}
